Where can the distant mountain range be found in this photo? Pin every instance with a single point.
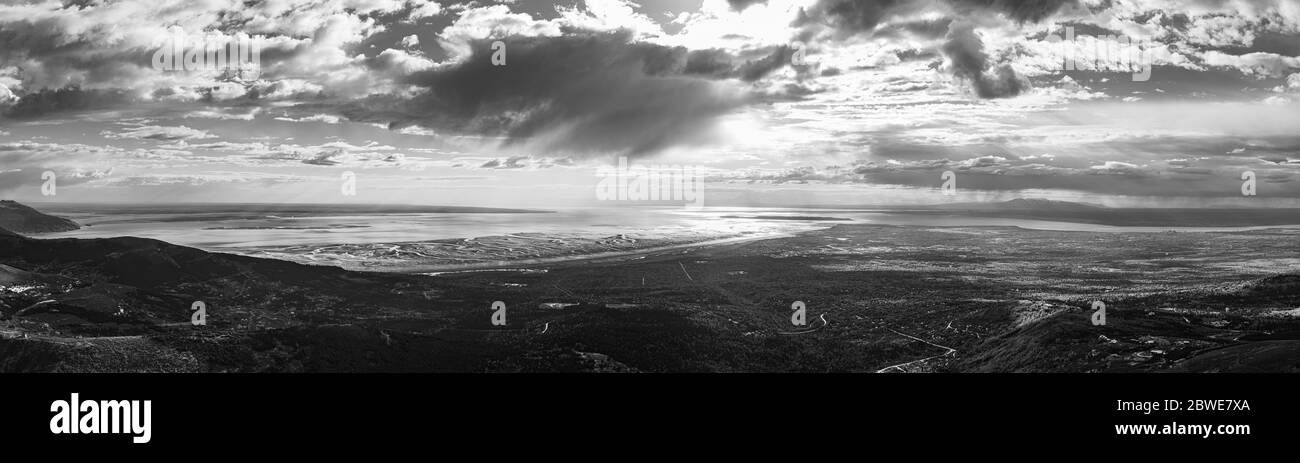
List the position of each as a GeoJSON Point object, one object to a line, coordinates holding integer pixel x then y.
{"type": "Point", "coordinates": [1065, 211]}
{"type": "Point", "coordinates": [18, 218]}
{"type": "Point", "coordinates": [1024, 204]}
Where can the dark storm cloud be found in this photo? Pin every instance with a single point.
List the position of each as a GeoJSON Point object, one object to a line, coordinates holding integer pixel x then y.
{"type": "Point", "coordinates": [64, 99]}
{"type": "Point", "coordinates": [581, 94]}
{"type": "Point", "coordinates": [859, 16]}
{"type": "Point", "coordinates": [42, 38]}
{"type": "Point", "coordinates": [965, 52]}
{"type": "Point", "coordinates": [752, 70]}
{"type": "Point", "coordinates": [740, 5]}
{"type": "Point", "coordinates": [748, 66]}
{"type": "Point", "coordinates": [1019, 10]}
{"type": "Point", "coordinates": [850, 16]}
{"type": "Point", "coordinates": [1287, 44]}
{"type": "Point", "coordinates": [59, 55]}
{"type": "Point", "coordinates": [926, 28]}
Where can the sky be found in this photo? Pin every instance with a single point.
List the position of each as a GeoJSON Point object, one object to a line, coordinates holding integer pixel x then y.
{"type": "Point", "coordinates": [774, 103]}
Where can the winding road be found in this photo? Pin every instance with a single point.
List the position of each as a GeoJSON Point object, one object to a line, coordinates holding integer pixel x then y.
{"type": "Point", "coordinates": [950, 351]}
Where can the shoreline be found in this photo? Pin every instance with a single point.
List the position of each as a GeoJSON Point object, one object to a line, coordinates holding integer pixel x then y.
{"type": "Point", "coordinates": [605, 257]}
{"type": "Point", "coordinates": [577, 249]}
{"type": "Point", "coordinates": [645, 252]}
{"type": "Point", "coordinates": [636, 253]}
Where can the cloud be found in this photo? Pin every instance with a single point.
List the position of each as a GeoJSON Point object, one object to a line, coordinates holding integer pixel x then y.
{"type": "Point", "coordinates": [424, 8]}
{"type": "Point", "coordinates": [965, 52]}
{"type": "Point", "coordinates": [1117, 168]}
{"type": "Point", "coordinates": [73, 164]}
{"type": "Point", "coordinates": [1018, 10]}
{"type": "Point", "coordinates": [325, 118]}
{"type": "Point", "coordinates": [400, 62]}
{"type": "Point", "coordinates": [107, 46]}
{"type": "Point", "coordinates": [70, 98]}
{"type": "Point", "coordinates": [209, 178]}
{"type": "Point", "coordinates": [329, 154]}
{"type": "Point", "coordinates": [478, 24]}
{"type": "Point", "coordinates": [165, 133]}
{"type": "Point", "coordinates": [581, 94]}
{"type": "Point", "coordinates": [720, 64]}
{"type": "Point", "coordinates": [223, 115]}
{"type": "Point", "coordinates": [514, 162]}
{"type": "Point", "coordinates": [852, 17]}
{"type": "Point", "coordinates": [7, 96]}
{"type": "Point", "coordinates": [1258, 64]}
{"type": "Point", "coordinates": [985, 174]}
{"type": "Point", "coordinates": [740, 5]}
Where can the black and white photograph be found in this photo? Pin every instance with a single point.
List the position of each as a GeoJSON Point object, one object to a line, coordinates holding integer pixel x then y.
{"type": "Point", "coordinates": [948, 189]}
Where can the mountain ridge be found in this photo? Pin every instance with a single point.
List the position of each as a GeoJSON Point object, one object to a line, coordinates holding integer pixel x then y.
{"type": "Point", "coordinates": [1025, 204]}
{"type": "Point", "coordinates": [16, 217]}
